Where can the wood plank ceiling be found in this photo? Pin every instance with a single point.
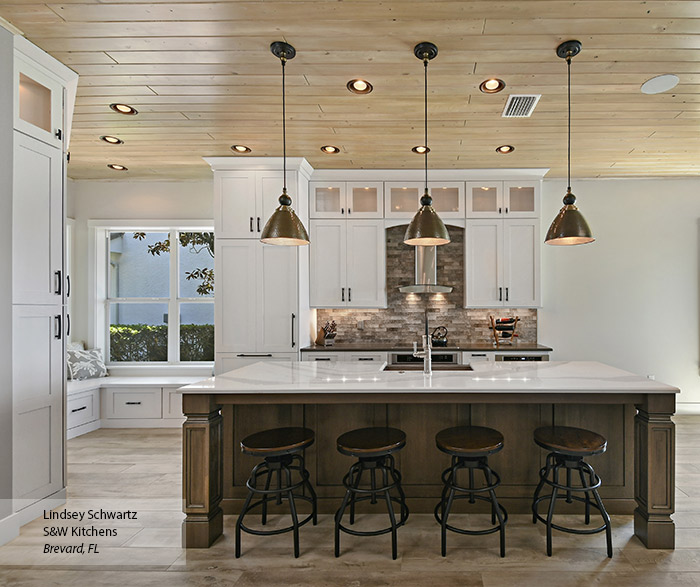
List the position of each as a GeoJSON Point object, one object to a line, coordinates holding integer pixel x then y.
{"type": "Point", "coordinates": [202, 78]}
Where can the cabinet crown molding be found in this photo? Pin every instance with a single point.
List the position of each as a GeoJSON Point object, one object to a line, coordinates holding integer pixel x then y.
{"type": "Point", "coordinates": [259, 164]}
{"type": "Point", "coordinates": [435, 174]}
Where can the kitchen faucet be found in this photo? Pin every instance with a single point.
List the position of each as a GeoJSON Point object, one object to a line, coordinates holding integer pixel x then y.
{"type": "Point", "coordinates": [425, 354]}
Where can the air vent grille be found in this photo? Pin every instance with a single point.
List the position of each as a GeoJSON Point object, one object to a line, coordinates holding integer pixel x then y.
{"type": "Point", "coordinates": [520, 105]}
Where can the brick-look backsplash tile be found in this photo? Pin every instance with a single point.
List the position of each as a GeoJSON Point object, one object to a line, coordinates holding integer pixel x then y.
{"type": "Point", "coordinates": [402, 321]}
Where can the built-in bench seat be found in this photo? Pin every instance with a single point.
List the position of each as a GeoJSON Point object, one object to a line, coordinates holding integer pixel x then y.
{"type": "Point", "coordinates": [124, 402]}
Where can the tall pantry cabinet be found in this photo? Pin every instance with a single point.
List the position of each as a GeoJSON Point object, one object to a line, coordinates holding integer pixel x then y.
{"type": "Point", "coordinates": [261, 303]}
{"type": "Point", "coordinates": [37, 93]}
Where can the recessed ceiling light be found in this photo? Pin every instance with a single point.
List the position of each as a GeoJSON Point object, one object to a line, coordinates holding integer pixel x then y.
{"type": "Point", "coordinates": [117, 167]}
{"type": "Point", "coordinates": [359, 86]}
{"type": "Point", "coordinates": [330, 149]}
{"type": "Point", "coordinates": [240, 149]}
{"type": "Point", "coordinates": [124, 109]}
{"type": "Point", "coordinates": [660, 83]}
{"type": "Point", "coordinates": [421, 149]}
{"type": "Point", "coordinates": [492, 85]}
{"type": "Point", "coordinates": [504, 149]}
{"type": "Point", "coordinates": [111, 140]}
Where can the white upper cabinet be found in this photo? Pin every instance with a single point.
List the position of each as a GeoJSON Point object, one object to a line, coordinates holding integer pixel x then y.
{"type": "Point", "coordinates": [37, 223]}
{"type": "Point", "coordinates": [277, 299]}
{"type": "Point", "coordinates": [38, 104]}
{"type": "Point", "coordinates": [347, 264]}
{"type": "Point", "coordinates": [402, 199]}
{"type": "Point", "coordinates": [346, 199]}
{"type": "Point", "coordinates": [502, 260]}
{"type": "Point", "coordinates": [502, 199]}
{"type": "Point", "coordinates": [245, 200]}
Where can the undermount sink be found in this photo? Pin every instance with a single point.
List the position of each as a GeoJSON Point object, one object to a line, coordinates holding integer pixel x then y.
{"type": "Point", "coordinates": [436, 367]}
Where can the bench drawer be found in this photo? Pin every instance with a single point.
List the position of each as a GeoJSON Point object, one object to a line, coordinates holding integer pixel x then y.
{"type": "Point", "coordinates": [172, 403]}
{"type": "Point", "coordinates": [132, 402]}
{"type": "Point", "coordinates": [82, 408]}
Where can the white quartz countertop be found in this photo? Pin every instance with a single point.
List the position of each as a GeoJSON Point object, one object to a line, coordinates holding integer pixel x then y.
{"type": "Point", "coordinates": [487, 377]}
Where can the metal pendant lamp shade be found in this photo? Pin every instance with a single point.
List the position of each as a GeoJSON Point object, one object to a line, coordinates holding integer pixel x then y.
{"type": "Point", "coordinates": [569, 227]}
{"type": "Point", "coordinates": [426, 229]}
{"type": "Point", "coordinates": [284, 227]}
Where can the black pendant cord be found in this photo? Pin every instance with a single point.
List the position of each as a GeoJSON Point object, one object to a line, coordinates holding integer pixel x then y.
{"type": "Point", "coordinates": [568, 65]}
{"type": "Point", "coordinates": [425, 69]}
{"type": "Point", "coordinates": [284, 131]}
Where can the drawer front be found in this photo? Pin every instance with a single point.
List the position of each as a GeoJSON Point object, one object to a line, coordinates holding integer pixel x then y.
{"type": "Point", "coordinates": [83, 408]}
{"type": "Point", "coordinates": [368, 357]}
{"type": "Point", "coordinates": [132, 402]}
{"type": "Point", "coordinates": [469, 357]}
{"type": "Point", "coordinates": [172, 403]}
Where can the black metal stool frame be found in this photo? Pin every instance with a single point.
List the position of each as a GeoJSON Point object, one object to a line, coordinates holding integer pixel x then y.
{"type": "Point", "coordinates": [280, 464]}
{"type": "Point", "coordinates": [450, 494]}
{"type": "Point", "coordinates": [555, 461]}
{"type": "Point", "coordinates": [354, 494]}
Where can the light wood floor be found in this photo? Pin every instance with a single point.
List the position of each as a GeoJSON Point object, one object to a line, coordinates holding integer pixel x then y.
{"type": "Point", "coordinates": [139, 470]}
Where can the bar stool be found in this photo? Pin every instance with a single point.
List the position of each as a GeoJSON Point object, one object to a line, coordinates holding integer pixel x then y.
{"type": "Point", "coordinates": [470, 447]}
{"type": "Point", "coordinates": [373, 447]}
{"type": "Point", "coordinates": [568, 447]}
{"type": "Point", "coordinates": [280, 448]}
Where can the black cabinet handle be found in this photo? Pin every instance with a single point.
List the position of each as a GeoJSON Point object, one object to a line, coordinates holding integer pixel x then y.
{"type": "Point", "coordinates": [78, 409]}
{"type": "Point", "coordinates": [478, 354]}
{"type": "Point", "coordinates": [506, 209]}
{"type": "Point", "coordinates": [506, 294]}
{"type": "Point", "coordinates": [365, 358]}
{"type": "Point", "coordinates": [133, 403]}
{"type": "Point", "coordinates": [251, 224]}
{"type": "Point", "coordinates": [342, 210]}
{"type": "Point", "coordinates": [58, 134]}
{"type": "Point", "coordinates": [342, 294]}
{"type": "Point", "coordinates": [349, 294]}
{"type": "Point", "coordinates": [254, 355]}
{"type": "Point", "coordinates": [57, 326]}
{"type": "Point", "coordinates": [258, 223]}
{"type": "Point", "coordinates": [67, 286]}
{"type": "Point", "coordinates": [499, 210]}
{"type": "Point", "coordinates": [349, 211]}
{"type": "Point", "coordinates": [67, 324]}
{"type": "Point", "coordinates": [500, 294]}
{"type": "Point", "coordinates": [322, 359]}
{"type": "Point", "coordinates": [57, 282]}
{"type": "Point", "coordinates": [293, 341]}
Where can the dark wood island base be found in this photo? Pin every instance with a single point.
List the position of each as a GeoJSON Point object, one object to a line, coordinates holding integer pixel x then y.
{"type": "Point", "coordinates": [637, 470]}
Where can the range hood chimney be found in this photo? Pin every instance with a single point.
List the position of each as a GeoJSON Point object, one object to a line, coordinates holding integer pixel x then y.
{"type": "Point", "coordinates": [426, 273]}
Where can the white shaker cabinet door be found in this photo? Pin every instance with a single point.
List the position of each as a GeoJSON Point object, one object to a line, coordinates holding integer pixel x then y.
{"type": "Point", "coordinates": [37, 397]}
{"type": "Point", "coordinates": [235, 205]}
{"type": "Point", "coordinates": [277, 323]}
{"type": "Point", "coordinates": [327, 263]}
{"type": "Point", "coordinates": [522, 262]}
{"type": "Point", "coordinates": [483, 258]}
{"type": "Point", "coordinates": [269, 189]}
{"type": "Point", "coordinates": [235, 271]}
{"type": "Point", "coordinates": [37, 222]}
{"type": "Point", "coordinates": [366, 264]}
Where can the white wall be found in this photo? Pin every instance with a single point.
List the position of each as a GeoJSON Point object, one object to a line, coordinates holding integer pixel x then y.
{"type": "Point", "coordinates": [125, 200]}
{"type": "Point", "coordinates": [631, 298]}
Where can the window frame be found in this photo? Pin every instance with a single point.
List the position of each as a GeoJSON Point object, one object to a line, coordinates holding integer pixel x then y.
{"type": "Point", "coordinates": [174, 300]}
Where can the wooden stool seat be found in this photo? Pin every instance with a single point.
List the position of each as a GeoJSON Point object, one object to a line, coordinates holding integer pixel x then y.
{"type": "Point", "coordinates": [469, 441]}
{"type": "Point", "coordinates": [370, 442]}
{"type": "Point", "coordinates": [277, 442]}
{"type": "Point", "coordinates": [566, 440]}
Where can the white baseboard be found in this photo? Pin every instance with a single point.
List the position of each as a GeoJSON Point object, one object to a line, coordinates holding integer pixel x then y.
{"type": "Point", "coordinates": [82, 429]}
{"type": "Point", "coordinates": [142, 423]}
{"type": "Point", "coordinates": [9, 526]}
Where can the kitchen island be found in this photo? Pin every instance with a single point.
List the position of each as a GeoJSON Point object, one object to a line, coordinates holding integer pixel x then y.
{"type": "Point", "coordinates": [632, 412]}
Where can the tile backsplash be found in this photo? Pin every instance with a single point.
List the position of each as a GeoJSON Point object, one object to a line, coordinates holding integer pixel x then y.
{"type": "Point", "coordinates": [402, 321]}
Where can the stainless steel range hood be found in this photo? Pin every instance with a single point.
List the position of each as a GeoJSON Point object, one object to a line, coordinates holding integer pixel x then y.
{"type": "Point", "coordinates": [426, 273]}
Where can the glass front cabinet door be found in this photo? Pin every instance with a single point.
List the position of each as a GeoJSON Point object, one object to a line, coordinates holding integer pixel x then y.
{"type": "Point", "coordinates": [364, 199]}
{"type": "Point", "coordinates": [402, 200]}
{"type": "Point", "coordinates": [38, 102]}
{"type": "Point", "coordinates": [502, 199]}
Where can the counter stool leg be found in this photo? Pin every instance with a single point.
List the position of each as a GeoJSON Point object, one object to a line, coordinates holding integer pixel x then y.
{"type": "Point", "coordinates": [390, 508]}
{"type": "Point", "coordinates": [314, 500]}
{"type": "Point", "coordinates": [265, 497]}
{"type": "Point", "coordinates": [373, 485]}
{"type": "Point", "coordinates": [603, 511]}
{"type": "Point", "coordinates": [588, 496]}
{"type": "Point", "coordinates": [396, 476]}
{"type": "Point", "coordinates": [544, 473]}
{"type": "Point", "coordinates": [279, 486]}
{"type": "Point", "coordinates": [568, 484]}
{"type": "Point", "coordinates": [338, 517]}
{"type": "Point", "coordinates": [293, 511]}
{"type": "Point", "coordinates": [446, 512]}
{"type": "Point", "coordinates": [550, 513]}
{"type": "Point", "coordinates": [239, 521]}
{"type": "Point", "coordinates": [353, 495]}
{"type": "Point", "coordinates": [471, 485]}
{"type": "Point", "coordinates": [497, 510]}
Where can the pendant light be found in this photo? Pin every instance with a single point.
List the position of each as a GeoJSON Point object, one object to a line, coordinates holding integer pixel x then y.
{"type": "Point", "coordinates": [426, 228]}
{"type": "Point", "coordinates": [284, 227]}
{"type": "Point", "coordinates": [569, 227]}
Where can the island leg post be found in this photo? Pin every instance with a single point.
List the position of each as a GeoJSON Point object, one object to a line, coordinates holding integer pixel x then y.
{"type": "Point", "coordinates": [654, 471]}
{"type": "Point", "coordinates": [202, 471]}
